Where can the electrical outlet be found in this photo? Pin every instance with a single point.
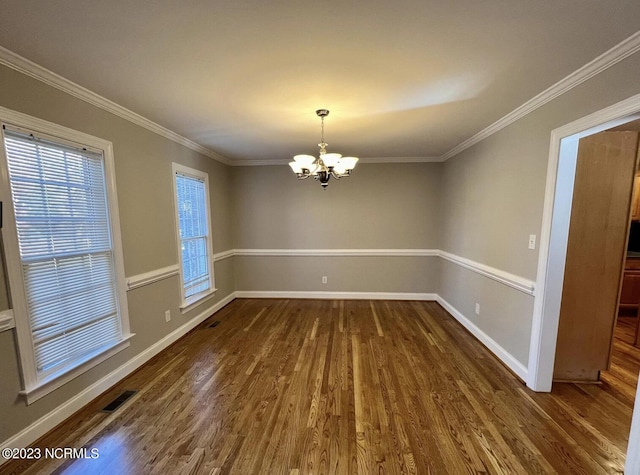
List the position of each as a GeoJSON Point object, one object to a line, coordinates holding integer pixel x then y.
{"type": "Point", "coordinates": [167, 315]}
{"type": "Point", "coordinates": [477, 309]}
{"type": "Point", "coordinates": [324, 279]}
{"type": "Point", "coordinates": [532, 241]}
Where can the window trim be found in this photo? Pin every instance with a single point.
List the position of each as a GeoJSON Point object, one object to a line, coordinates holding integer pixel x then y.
{"type": "Point", "coordinates": [191, 302]}
{"type": "Point", "coordinates": [35, 387]}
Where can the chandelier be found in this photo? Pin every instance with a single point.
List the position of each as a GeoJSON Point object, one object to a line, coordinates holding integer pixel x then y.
{"type": "Point", "coordinates": [327, 165]}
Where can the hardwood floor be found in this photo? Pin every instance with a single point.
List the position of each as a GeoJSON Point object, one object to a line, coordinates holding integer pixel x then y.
{"type": "Point", "coordinates": [622, 375]}
{"type": "Point", "coordinates": [303, 386]}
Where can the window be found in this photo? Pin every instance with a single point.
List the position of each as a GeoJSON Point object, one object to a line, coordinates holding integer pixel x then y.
{"type": "Point", "coordinates": [70, 314]}
{"type": "Point", "coordinates": [194, 239]}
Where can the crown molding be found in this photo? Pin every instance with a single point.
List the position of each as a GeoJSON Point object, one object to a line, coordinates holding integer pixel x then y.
{"type": "Point", "coordinates": [279, 161]}
{"type": "Point", "coordinates": [401, 159]}
{"type": "Point", "coordinates": [31, 69]}
{"type": "Point", "coordinates": [259, 163]}
{"type": "Point", "coordinates": [607, 59]}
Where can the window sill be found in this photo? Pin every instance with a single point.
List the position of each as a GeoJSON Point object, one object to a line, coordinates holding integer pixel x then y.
{"type": "Point", "coordinates": [194, 301]}
{"type": "Point", "coordinates": [54, 381]}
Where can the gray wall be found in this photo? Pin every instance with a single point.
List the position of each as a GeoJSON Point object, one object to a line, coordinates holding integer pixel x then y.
{"type": "Point", "coordinates": [492, 199]}
{"type": "Point", "coordinates": [145, 195]}
{"type": "Point", "coordinates": [481, 204]}
{"type": "Point", "coordinates": [381, 206]}
{"type": "Point", "coordinates": [344, 274]}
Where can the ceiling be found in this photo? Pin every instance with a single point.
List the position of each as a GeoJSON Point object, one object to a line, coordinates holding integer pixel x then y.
{"type": "Point", "coordinates": [412, 78]}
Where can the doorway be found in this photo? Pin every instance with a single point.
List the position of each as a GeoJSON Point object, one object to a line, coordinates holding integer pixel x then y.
{"type": "Point", "coordinates": [596, 251]}
{"type": "Point", "coordinates": [555, 230]}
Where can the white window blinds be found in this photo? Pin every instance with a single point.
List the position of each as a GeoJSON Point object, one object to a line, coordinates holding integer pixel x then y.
{"type": "Point", "coordinates": [62, 221]}
{"type": "Point", "coordinates": [194, 233]}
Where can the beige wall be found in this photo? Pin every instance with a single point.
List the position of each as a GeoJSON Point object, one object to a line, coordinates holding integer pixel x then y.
{"type": "Point", "coordinates": [381, 206]}
{"type": "Point", "coordinates": [505, 314]}
{"type": "Point", "coordinates": [344, 274]}
{"type": "Point", "coordinates": [481, 204]}
{"type": "Point", "coordinates": [145, 195]}
{"type": "Point", "coordinates": [492, 199]}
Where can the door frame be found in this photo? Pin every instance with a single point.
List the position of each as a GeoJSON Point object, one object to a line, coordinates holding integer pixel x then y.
{"type": "Point", "coordinates": [554, 233]}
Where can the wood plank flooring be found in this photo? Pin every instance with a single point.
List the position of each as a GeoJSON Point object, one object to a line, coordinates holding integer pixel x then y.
{"type": "Point", "coordinates": [344, 387]}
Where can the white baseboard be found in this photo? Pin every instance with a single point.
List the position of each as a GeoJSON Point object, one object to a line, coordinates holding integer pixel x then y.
{"type": "Point", "coordinates": [506, 357]}
{"type": "Point", "coordinates": [277, 294]}
{"type": "Point", "coordinates": [43, 425]}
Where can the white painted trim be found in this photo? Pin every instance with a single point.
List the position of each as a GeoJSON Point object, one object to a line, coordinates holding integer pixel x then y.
{"type": "Point", "coordinates": [277, 294]}
{"type": "Point", "coordinates": [56, 132]}
{"type": "Point", "coordinates": [632, 462]}
{"type": "Point", "coordinates": [193, 173]}
{"type": "Point", "coordinates": [7, 321]}
{"type": "Point", "coordinates": [516, 282]}
{"type": "Point", "coordinates": [43, 425]}
{"type": "Point", "coordinates": [502, 354]}
{"type": "Point", "coordinates": [146, 278]}
{"type": "Point", "coordinates": [67, 135]}
{"type": "Point", "coordinates": [546, 306]}
{"type": "Point", "coordinates": [280, 161]}
{"type": "Point", "coordinates": [150, 277]}
{"type": "Point", "coordinates": [223, 255]}
{"type": "Point", "coordinates": [55, 381]}
{"type": "Point", "coordinates": [31, 69]}
{"type": "Point", "coordinates": [607, 59]}
{"type": "Point", "coordinates": [337, 252]}
{"type": "Point", "coordinates": [401, 160]}
{"type": "Point", "coordinates": [196, 300]}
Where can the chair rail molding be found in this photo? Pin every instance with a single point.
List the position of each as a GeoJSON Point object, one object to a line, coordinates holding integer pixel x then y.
{"type": "Point", "coordinates": [7, 321]}
{"type": "Point", "coordinates": [146, 278]}
{"type": "Point", "coordinates": [511, 280]}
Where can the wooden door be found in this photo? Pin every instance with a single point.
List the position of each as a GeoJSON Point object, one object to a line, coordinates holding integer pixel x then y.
{"type": "Point", "coordinates": [595, 254]}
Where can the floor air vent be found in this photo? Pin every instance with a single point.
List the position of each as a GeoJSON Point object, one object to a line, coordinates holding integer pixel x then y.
{"type": "Point", "coordinates": [119, 401]}
{"type": "Point", "coordinates": [215, 324]}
